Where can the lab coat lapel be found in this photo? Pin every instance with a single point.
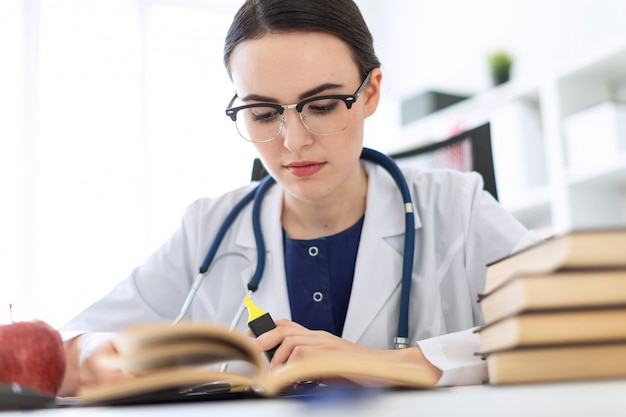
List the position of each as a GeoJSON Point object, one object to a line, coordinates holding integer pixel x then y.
{"type": "Point", "coordinates": [272, 294]}
{"type": "Point", "coordinates": [378, 267]}
{"type": "Point", "coordinates": [379, 262]}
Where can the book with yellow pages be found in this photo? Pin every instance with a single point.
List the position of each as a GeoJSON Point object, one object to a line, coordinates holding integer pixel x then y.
{"type": "Point", "coordinates": [554, 328]}
{"type": "Point", "coordinates": [574, 250]}
{"type": "Point", "coordinates": [166, 358]}
{"type": "Point", "coordinates": [556, 291]}
{"type": "Point", "coordinates": [557, 363]}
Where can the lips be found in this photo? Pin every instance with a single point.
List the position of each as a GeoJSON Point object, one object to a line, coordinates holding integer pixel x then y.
{"type": "Point", "coordinates": [305, 168]}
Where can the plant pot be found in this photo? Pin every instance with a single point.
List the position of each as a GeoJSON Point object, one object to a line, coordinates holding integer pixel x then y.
{"type": "Point", "coordinates": [501, 78]}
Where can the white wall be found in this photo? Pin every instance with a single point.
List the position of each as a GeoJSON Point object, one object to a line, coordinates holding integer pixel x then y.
{"type": "Point", "coordinates": [111, 122]}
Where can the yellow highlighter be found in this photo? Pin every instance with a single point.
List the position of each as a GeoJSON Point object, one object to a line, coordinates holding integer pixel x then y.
{"type": "Point", "coordinates": [259, 322]}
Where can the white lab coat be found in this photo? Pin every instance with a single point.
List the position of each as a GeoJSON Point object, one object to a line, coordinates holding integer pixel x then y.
{"type": "Point", "coordinates": [459, 229]}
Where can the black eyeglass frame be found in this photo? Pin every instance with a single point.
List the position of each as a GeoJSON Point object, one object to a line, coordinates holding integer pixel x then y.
{"type": "Point", "coordinates": [348, 99]}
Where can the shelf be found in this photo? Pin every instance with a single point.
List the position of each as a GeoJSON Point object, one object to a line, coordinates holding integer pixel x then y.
{"type": "Point", "coordinates": [527, 118]}
{"type": "Point", "coordinates": [466, 114]}
{"type": "Point", "coordinates": [597, 78]}
{"type": "Point", "coordinates": [611, 173]}
{"type": "Point", "coordinates": [604, 64]}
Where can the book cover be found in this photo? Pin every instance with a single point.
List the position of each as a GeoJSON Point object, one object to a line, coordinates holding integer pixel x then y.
{"type": "Point", "coordinates": [560, 363]}
{"type": "Point", "coordinates": [556, 291]}
{"type": "Point", "coordinates": [554, 328]}
{"type": "Point", "coordinates": [574, 250]}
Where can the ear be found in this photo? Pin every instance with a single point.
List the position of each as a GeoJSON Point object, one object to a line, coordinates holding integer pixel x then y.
{"type": "Point", "coordinates": [371, 93]}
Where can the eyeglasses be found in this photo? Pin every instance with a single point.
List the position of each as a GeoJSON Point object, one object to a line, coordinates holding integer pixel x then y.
{"type": "Point", "coordinates": [321, 115]}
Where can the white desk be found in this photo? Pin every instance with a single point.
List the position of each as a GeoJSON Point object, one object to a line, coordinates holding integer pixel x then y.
{"type": "Point", "coordinates": [600, 398]}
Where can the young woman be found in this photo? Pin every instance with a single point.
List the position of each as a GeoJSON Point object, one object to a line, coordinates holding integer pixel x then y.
{"type": "Point", "coordinates": [306, 78]}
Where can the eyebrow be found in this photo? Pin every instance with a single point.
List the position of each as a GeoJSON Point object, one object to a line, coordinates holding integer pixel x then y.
{"type": "Point", "coordinates": [309, 93]}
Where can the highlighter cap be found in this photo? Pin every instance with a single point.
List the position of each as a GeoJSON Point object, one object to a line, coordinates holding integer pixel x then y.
{"type": "Point", "coordinates": [254, 312]}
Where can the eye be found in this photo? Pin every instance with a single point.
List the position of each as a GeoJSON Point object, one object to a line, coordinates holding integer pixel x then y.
{"type": "Point", "coordinates": [322, 107]}
{"type": "Point", "coordinates": [264, 114]}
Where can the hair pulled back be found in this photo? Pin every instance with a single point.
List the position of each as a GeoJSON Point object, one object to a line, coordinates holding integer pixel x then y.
{"type": "Point", "coordinates": [341, 18]}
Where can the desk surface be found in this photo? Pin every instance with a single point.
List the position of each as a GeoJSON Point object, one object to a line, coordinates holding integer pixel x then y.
{"type": "Point", "coordinates": [600, 398]}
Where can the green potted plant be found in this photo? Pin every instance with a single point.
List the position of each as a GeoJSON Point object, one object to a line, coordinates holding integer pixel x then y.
{"type": "Point", "coordinates": [500, 63]}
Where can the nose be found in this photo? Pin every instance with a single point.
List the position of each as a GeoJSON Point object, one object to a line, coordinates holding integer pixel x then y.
{"type": "Point", "coordinates": [295, 133]}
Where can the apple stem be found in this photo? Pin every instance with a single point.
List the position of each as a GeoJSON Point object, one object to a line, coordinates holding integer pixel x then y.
{"type": "Point", "coordinates": [11, 312]}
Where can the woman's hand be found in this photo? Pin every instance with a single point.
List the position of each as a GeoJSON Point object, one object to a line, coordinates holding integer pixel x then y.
{"type": "Point", "coordinates": [83, 367]}
{"type": "Point", "coordinates": [298, 343]}
{"type": "Point", "coordinates": [93, 373]}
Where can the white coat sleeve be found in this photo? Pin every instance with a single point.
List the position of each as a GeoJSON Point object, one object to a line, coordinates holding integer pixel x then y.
{"type": "Point", "coordinates": [454, 354]}
{"type": "Point", "coordinates": [490, 233]}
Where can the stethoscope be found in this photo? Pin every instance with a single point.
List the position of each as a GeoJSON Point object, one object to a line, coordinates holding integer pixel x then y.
{"type": "Point", "coordinates": [256, 196]}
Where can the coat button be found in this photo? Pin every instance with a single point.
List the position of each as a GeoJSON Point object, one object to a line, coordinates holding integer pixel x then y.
{"type": "Point", "coordinates": [318, 296]}
{"type": "Point", "coordinates": [313, 251]}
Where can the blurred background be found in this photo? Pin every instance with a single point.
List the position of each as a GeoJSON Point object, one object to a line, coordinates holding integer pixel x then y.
{"type": "Point", "coordinates": [112, 122]}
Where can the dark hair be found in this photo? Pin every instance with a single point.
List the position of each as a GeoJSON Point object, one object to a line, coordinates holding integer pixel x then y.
{"type": "Point", "coordinates": [341, 18]}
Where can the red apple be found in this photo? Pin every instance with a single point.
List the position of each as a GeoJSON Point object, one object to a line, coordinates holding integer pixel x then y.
{"type": "Point", "coordinates": [32, 355]}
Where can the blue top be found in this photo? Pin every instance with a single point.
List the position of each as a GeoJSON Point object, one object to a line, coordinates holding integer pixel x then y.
{"type": "Point", "coordinates": [319, 278]}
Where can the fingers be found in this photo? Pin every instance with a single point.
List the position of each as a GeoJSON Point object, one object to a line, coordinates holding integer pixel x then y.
{"type": "Point", "coordinates": [93, 373]}
{"type": "Point", "coordinates": [274, 337]}
{"type": "Point", "coordinates": [298, 348]}
{"type": "Point", "coordinates": [284, 329]}
{"type": "Point", "coordinates": [296, 343]}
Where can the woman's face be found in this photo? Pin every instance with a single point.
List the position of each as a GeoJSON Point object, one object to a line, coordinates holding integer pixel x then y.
{"type": "Point", "coordinates": [286, 69]}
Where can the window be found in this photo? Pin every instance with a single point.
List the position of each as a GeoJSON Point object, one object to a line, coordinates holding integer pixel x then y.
{"type": "Point", "coordinates": [116, 124]}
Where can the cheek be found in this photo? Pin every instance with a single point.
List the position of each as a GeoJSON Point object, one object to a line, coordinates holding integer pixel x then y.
{"type": "Point", "coordinates": [266, 152]}
{"type": "Point", "coordinates": [354, 132]}
{"type": "Point", "coordinates": [348, 147]}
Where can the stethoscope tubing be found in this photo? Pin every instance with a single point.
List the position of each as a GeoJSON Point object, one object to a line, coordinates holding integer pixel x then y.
{"type": "Point", "coordinates": [261, 189]}
{"type": "Point", "coordinates": [392, 168]}
{"type": "Point", "coordinates": [256, 196]}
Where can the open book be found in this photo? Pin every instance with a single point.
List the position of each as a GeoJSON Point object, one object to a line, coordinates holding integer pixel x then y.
{"type": "Point", "coordinates": [165, 358]}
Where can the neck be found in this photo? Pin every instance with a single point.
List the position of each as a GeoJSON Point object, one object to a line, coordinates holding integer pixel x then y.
{"type": "Point", "coordinates": [331, 215]}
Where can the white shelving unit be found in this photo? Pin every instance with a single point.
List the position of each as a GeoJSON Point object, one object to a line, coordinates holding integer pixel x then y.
{"type": "Point", "coordinates": [535, 179]}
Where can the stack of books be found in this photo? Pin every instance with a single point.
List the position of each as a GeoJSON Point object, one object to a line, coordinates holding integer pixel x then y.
{"type": "Point", "coordinates": [557, 310]}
